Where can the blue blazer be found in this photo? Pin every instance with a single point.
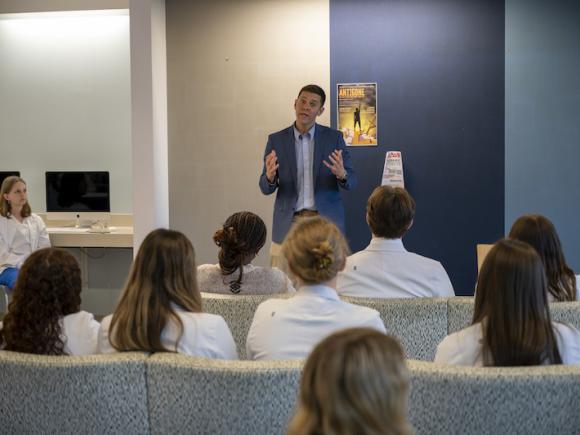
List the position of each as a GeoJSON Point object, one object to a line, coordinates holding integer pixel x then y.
{"type": "Point", "coordinates": [326, 195]}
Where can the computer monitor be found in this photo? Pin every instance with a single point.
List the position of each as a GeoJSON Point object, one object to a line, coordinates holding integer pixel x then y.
{"type": "Point", "coordinates": [6, 174]}
{"type": "Point", "coordinates": [83, 196]}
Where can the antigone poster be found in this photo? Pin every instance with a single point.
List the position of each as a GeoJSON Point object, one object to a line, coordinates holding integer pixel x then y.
{"type": "Point", "coordinates": [357, 113]}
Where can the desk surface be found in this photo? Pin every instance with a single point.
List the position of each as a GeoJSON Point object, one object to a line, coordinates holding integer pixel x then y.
{"type": "Point", "coordinates": [71, 237]}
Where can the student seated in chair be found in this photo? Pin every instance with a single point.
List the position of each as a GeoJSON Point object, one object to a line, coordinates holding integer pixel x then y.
{"type": "Point", "coordinates": [21, 231]}
{"type": "Point", "coordinates": [385, 269]}
{"type": "Point", "coordinates": [240, 239]}
{"type": "Point", "coordinates": [160, 308]}
{"type": "Point", "coordinates": [354, 382]}
{"type": "Point", "coordinates": [289, 328]}
{"type": "Point", "coordinates": [511, 320]}
{"type": "Point", "coordinates": [44, 316]}
{"type": "Point", "coordinates": [539, 232]}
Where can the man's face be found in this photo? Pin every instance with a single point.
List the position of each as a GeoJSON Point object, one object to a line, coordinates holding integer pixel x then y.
{"type": "Point", "coordinates": [307, 107]}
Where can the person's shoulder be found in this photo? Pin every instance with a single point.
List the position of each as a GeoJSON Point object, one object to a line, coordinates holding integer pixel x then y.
{"type": "Point", "coordinates": [37, 219]}
{"type": "Point", "coordinates": [357, 257]}
{"type": "Point", "coordinates": [208, 269]}
{"type": "Point", "coordinates": [327, 131]}
{"type": "Point", "coordinates": [280, 133]}
{"type": "Point", "coordinates": [81, 316]}
{"type": "Point", "coordinates": [210, 319]}
{"type": "Point", "coordinates": [460, 347]}
{"type": "Point", "coordinates": [272, 304]}
{"type": "Point", "coordinates": [360, 310]}
{"type": "Point", "coordinates": [566, 330]}
{"type": "Point", "coordinates": [426, 262]}
{"type": "Point", "coordinates": [106, 322]}
{"type": "Point", "coordinates": [470, 334]}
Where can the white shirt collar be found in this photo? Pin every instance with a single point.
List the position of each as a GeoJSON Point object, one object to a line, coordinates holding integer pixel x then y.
{"type": "Point", "coordinates": [382, 244]}
{"type": "Point", "coordinates": [297, 134]}
{"type": "Point", "coordinates": [318, 290]}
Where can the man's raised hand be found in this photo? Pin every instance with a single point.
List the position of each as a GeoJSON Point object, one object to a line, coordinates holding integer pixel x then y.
{"type": "Point", "coordinates": [271, 166]}
{"type": "Point", "coordinates": [336, 164]}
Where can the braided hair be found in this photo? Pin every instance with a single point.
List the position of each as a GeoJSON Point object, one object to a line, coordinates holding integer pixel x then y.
{"type": "Point", "coordinates": [241, 237]}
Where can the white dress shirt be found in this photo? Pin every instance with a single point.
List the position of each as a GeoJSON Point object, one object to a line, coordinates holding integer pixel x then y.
{"type": "Point", "coordinates": [80, 332]}
{"type": "Point", "coordinates": [204, 335]}
{"type": "Point", "coordinates": [304, 144]}
{"type": "Point", "coordinates": [290, 328]}
{"type": "Point", "coordinates": [255, 280]}
{"type": "Point", "coordinates": [464, 347]}
{"type": "Point", "coordinates": [385, 269]}
{"type": "Point", "coordinates": [20, 239]}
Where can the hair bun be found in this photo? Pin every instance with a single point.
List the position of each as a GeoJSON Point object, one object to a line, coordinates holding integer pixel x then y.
{"type": "Point", "coordinates": [226, 237]}
{"type": "Point", "coordinates": [323, 256]}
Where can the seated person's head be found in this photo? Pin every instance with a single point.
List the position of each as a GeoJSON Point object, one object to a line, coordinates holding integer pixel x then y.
{"type": "Point", "coordinates": [390, 212]}
{"type": "Point", "coordinates": [315, 250]}
{"type": "Point", "coordinates": [162, 278]}
{"type": "Point", "coordinates": [354, 382]}
{"type": "Point", "coordinates": [48, 288]}
{"type": "Point", "coordinates": [511, 302]}
{"type": "Point", "coordinates": [11, 188]}
{"type": "Point", "coordinates": [240, 239]}
{"type": "Point", "coordinates": [539, 232]}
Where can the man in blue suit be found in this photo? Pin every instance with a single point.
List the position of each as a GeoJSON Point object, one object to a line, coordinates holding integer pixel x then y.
{"type": "Point", "coordinates": [306, 164]}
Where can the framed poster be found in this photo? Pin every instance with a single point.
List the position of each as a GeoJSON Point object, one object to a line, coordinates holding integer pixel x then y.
{"type": "Point", "coordinates": [357, 113]}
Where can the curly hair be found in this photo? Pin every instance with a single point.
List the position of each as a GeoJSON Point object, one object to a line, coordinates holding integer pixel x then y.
{"type": "Point", "coordinates": [48, 288]}
{"type": "Point", "coordinates": [242, 236]}
{"type": "Point", "coordinates": [315, 250]}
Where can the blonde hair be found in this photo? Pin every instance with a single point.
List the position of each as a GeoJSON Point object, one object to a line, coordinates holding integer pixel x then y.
{"type": "Point", "coordinates": [161, 278]}
{"type": "Point", "coordinates": [5, 207]}
{"type": "Point", "coordinates": [315, 250]}
{"type": "Point", "coordinates": [354, 382]}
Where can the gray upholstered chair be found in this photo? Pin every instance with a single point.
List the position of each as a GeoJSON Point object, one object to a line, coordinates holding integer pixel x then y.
{"type": "Point", "coordinates": [466, 400]}
{"type": "Point", "coordinates": [459, 313]}
{"type": "Point", "coordinates": [95, 394]}
{"type": "Point", "coordinates": [238, 312]}
{"type": "Point", "coordinates": [201, 396]}
{"type": "Point", "coordinates": [566, 312]}
{"type": "Point", "coordinates": [419, 323]}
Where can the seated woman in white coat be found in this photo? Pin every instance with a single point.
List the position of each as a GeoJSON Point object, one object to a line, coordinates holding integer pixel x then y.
{"type": "Point", "coordinates": [539, 232]}
{"type": "Point", "coordinates": [511, 322]}
{"type": "Point", "coordinates": [21, 231]}
{"type": "Point", "coordinates": [160, 308]}
{"type": "Point", "coordinates": [289, 328]}
{"type": "Point", "coordinates": [240, 239]}
{"type": "Point", "coordinates": [385, 269]}
{"type": "Point", "coordinates": [44, 316]}
{"type": "Point", "coordinates": [371, 399]}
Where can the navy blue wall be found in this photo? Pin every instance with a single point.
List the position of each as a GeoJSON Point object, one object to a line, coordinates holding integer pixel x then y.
{"type": "Point", "coordinates": [440, 72]}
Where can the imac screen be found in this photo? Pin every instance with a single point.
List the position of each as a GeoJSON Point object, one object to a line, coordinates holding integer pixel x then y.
{"type": "Point", "coordinates": [6, 174]}
{"type": "Point", "coordinates": [77, 192]}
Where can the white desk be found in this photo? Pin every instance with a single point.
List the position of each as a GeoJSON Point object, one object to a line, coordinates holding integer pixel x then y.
{"type": "Point", "coordinates": [70, 237]}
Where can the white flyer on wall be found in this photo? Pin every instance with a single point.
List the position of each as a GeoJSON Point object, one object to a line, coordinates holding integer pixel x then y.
{"type": "Point", "coordinates": [393, 171]}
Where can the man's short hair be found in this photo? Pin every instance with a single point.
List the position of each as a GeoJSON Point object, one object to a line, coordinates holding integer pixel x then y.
{"type": "Point", "coordinates": [390, 212]}
{"type": "Point", "coordinates": [315, 89]}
